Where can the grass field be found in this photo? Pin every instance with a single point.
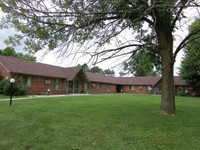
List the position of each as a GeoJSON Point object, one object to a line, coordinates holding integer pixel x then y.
{"type": "Point", "coordinates": [99, 122]}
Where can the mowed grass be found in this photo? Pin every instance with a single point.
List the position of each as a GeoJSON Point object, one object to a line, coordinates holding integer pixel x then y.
{"type": "Point", "coordinates": [99, 122]}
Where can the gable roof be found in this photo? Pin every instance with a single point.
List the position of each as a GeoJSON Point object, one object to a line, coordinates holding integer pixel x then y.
{"type": "Point", "coordinates": [71, 72]}
{"type": "Point", "coordinates": [143, 80]}
{"type": "Point", "coordinates": [123, 80]}
{"type": "Point", "coordinates": [15, 65]}
{"type": "Point", "coordinates": [95, 77]}
{"type": "Point", "coordinates": [179, 81]}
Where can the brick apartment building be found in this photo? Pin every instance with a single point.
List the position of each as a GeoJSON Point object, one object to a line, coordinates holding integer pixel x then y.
{"type": "Point", "coordinates": [39, 78]}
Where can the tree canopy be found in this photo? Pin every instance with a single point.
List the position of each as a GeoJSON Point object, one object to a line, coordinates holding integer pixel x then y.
{"type": "Point", "coordinates": [96, 25]}
{"type": "Point", "coordinates": [143, 63]}
{"type": "Point", "coordinates": [9, 51]}
{"type": "Point", "coordinates": [190, 66]}
{"type": "Point", "coordinates": [99, 70]}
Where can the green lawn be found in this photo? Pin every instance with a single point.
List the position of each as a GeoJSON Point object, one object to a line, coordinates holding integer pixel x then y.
{"type": "Point", "coordinates": [99, 122]}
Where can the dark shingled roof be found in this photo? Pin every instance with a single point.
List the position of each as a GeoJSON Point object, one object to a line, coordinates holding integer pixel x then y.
{"type": "Point", "coordinates": [179, 81]}
{"type": "Point", "coordinates": [149, 80]}
{"type": "Point", "coordinates": [15, 65]}
{"type": "Point", "coordinates": [143, 80]}
{"type": "Point", "coordinates": [123, 80]}
{"type": "Point", "coordinates": [71, 72]}
{"type": "Point", "coordinates": [95, 77]}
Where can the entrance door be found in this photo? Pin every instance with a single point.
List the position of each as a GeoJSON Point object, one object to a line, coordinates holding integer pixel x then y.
{"type": "Point", "coordinates": [76, 87]}
{"type": "Point", "coordinates": [119, 88]}
{"type": "Point", "coordinates": [70, 87]}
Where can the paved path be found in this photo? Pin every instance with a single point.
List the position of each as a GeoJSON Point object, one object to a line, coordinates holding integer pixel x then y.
{"type": "Point", "coordinates": [43, 96]}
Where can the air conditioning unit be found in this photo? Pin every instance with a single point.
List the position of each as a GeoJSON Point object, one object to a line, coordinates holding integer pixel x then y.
{"type": "Point", "coordinates": [47, 81]}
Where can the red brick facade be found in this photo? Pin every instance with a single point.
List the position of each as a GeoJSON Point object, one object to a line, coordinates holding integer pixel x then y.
{"type": "Point", "coordinates": [42, 85]}
{"type": "Point", "coordinates": [137, 89]}
{"type": "Point", "coordinates": [100, 88]}
{"type": "Point", "coordinates": [4, 72]}
{"type": "Point", "coordinates": [43, 79]}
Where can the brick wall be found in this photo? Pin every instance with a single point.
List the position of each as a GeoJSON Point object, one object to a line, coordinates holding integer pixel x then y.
{"type": "Point", "coordinates": [4, 72]}
{"type": "Point", "coordinates": [39, 86]}
{"type": "Point", "coordinates": [102, 88]}
{"type": "Point", "coordinates": [136, 89]}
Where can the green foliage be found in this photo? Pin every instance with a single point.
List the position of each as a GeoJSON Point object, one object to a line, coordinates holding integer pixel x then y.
{"type": "Point", "coordinates": [97, 69]}
{"type": "Point", "coordinates": [143, 64]}
{"type": "Point", "coordinates": [66, 22]}
{"type": "Point", "coordinates": [109, 72]}
{"type": "Point", "coordinates": [18, 90]}
{"type": "Point", "coordinates": [9, 51]}
{"type": "Point", "coordinates": [190, 66]}
{"type": "Point", "coordinates": [4, 85]}
{"type": "Point", "coordinates": [85, 67]}
{"type": "Point", "coordinates": [1, 77]}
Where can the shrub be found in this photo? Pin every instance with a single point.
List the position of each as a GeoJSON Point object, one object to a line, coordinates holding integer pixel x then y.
{"type": "Point", "coordinates": [1, 77]}
{"type": "Point", "coordinates": [17, 90]}
{"type": "Point", "coordinates": [3, 85]}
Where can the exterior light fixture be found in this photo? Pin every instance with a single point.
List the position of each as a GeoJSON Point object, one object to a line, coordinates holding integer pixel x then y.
{"type": "Point", "coordinates": [48, 91]}
{"type": "Point", "coordinates": [12, 81]}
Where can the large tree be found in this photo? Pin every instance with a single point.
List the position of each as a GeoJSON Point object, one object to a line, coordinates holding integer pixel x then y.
{"type": "Point", "coordinates": [143, 63]}
{"type": "Point", "coordinates": [190, 66]}
{"type": "Point", "coordinates": [10, 51]}
{"type": "Point", "coordinates": [96, 69]}
{"type": "Point", "coordinates": [61, 23]}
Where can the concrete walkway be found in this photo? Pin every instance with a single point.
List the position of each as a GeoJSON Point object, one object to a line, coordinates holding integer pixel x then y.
{"type": "Point", "coordinates": [42, 96]}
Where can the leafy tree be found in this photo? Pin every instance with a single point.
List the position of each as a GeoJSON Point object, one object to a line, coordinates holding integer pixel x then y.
{"type": "Point", "coordinates": [96, 69]}
{"type": "Point", "coordinates": [85, 67]}
{"type": "Point", "coordinates": [18, 89]}
{"type": "Point", "coordinates": [190, 66]}
{"type": "Point", "coordinates": [53, 23]}
{"type": "Point", "coordinates": [9, 51]}
{"type": "Point", "coordinates": [109, 72]}
{"type": "Point", "coordinates": [142, 64]}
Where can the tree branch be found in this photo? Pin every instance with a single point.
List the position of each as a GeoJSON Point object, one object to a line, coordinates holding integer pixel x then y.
{"type": "Point", "coordinates": [185, 41]}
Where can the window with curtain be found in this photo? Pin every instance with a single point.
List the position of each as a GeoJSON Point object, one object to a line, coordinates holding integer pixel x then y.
{"type": "Point", "coordinates": [55, 84]}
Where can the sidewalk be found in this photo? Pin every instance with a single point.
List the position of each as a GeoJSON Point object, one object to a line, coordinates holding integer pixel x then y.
{"type": "Point", "coordinates": [43, 96]}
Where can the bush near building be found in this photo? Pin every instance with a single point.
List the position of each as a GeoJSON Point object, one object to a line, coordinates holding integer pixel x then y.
{"type": "Point", "coordinates": [5, 88]}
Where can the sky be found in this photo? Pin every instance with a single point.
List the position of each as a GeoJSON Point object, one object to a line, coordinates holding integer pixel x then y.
{"type": "Point", "coordinates": [115, 64]}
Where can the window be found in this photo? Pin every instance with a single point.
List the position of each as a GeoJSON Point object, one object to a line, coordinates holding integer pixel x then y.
{"type": "Point", "coordinates": [108, 86]}
{"type": "Point", "coordinates": [131, 87]}
{"type": "Point", "coordinates": [99, 86]}
{"type": "Point", "coordinates": [148, 88]}
{"type": "Point", "coordinates": [47, 82]}
{"type": "Point", "coordinates": [55, 84]}
{"type": "Point", "coordinates": [27, 81]}
{"type": "Point", "coordinates": [141, 87]}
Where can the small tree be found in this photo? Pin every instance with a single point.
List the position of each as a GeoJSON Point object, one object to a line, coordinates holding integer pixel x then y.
{"type": "Point", "coordinates": [18, 89]}
{"type": "Point", "coordinates": [190, 66]}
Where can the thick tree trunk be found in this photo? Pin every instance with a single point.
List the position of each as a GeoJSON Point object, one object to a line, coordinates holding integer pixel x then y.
{"type": "Point", "coordinates": [165, 47]}
{"type": "Point", "coordinates": [168, 95]}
